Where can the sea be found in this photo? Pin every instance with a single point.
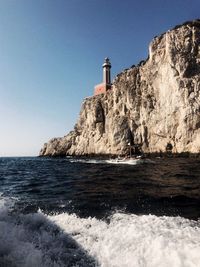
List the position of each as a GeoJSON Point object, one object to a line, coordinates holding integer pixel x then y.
{"type": "Point", "coordinates": [83, 212]}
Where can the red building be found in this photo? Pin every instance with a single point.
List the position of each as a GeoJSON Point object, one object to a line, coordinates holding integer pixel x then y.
{"type": "Point", "coordinates": [106, 85]}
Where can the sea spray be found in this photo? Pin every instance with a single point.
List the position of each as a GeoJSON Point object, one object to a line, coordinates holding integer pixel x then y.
{"type": "Point", "coordinates": [131, 240]}
{"type": "Point", "coordinates": [36, 239]}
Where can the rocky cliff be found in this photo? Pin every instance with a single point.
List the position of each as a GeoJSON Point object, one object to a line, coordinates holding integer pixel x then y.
{"type": "Point", "coordinates": [154, 106]}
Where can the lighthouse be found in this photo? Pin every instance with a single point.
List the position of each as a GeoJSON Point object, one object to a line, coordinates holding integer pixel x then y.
{"type": "Point", "coordinates": [103, 87]}
{"type": "Point", "coordinates": [106, 71]}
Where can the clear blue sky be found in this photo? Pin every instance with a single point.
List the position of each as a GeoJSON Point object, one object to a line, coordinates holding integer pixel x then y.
{"type": "Point", "coordinates": [51, 52]}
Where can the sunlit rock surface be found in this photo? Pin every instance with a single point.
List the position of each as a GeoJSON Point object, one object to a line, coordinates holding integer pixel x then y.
{"type": "Point", "coordinates": [154, 105]}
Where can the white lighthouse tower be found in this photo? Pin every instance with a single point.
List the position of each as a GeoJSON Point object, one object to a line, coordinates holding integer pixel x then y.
{"type": "Point", "coordinates": [106, 72]}
{"type": "Point", "coordinates": [106, 85]}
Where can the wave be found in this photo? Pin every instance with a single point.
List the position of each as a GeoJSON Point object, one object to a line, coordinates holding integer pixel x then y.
{"type": "Point", "coordinates": [89, 161]}
{"type": "Point", "coordinates": [34, 240]}
{"type": "Point", "coordinates": [125, 240]}
{"type": "Point", "coordinates": [131, 240]}
{"type": "Point", "coordinates": [111, 161]}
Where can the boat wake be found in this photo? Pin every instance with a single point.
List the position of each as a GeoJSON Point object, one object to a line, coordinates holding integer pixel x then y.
{"type": "Point", "coordinates": [124, 240]}
{"type": "Point", "coordinates": [89, 161]}
{"type": "Point", "coordinates": [131, 161]}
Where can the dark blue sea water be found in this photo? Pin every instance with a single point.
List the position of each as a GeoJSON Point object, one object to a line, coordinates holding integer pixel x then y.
{"type": "Point", "coordinates": [89, 212]}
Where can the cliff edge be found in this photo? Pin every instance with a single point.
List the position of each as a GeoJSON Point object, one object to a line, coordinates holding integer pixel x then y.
{"type": "Point", "coordinates": [154, 106]}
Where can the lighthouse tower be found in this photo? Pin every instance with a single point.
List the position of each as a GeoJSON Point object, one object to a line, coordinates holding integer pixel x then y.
{"type": "Point", "coordinates": [106, 71]}
{"type": "Point", "coordinates": [106, 85]}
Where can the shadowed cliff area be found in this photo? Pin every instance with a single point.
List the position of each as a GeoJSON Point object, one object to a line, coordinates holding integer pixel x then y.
{"type": "Point", "coordinates": [154, 106]}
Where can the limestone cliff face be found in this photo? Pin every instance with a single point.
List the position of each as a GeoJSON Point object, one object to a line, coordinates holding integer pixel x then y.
{"type": "Point", "coordinates": [151, 105]}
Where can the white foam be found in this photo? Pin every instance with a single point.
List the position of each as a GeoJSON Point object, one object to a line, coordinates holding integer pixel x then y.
{"type": "Point", "coordinates": [35, 240]}
{"type": "Point", "coordinates": [112, 161]}
{"type": "Point", "coordinates": [32, 240]}
{"type": "Point", "coordinates": [130, 240]}
{"type": "Point", "coordinates": [89, 161]}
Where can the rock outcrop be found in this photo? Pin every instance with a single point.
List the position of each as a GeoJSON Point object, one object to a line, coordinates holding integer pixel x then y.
{"type": "Point", "coordinates": [154, 106]}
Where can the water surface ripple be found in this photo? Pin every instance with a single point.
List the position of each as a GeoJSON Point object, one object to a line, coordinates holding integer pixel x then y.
{"type": "Point", "coordinates": [95, 188]}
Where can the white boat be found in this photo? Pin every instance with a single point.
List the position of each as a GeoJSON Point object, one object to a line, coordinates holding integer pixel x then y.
{"type": "Point", "coordinates": [129, 161]}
